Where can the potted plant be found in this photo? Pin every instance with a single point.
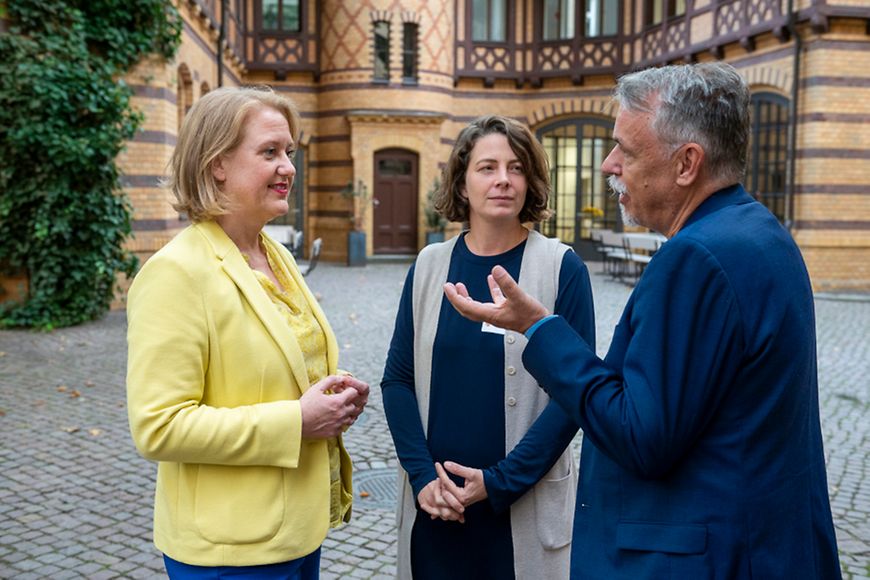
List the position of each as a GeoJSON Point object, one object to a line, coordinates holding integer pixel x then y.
{"type": "Point", "coordinates": [356, 237]}
{"type": "Point", "coordinates": [435, 222]}
{"type": "Point", "coordinates": [14, 284]}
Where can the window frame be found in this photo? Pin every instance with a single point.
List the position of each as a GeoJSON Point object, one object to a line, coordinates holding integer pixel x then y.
{"type": "Point", "coordinates": [580, 23]}
{"type": "Point", "coordinates": [260, 18]}
{"type": "Point", "coordinates": [381, 50]}
{"type": "Point", "coordinates": [506, 11]}
{"type": "Point", "coordinates": [572, 23]}
{"type": "Point", "coordinates": [410, 55]}
{"type": "Point", "coordinates": [582, 199]}
{"type": "Point", "coordinates": [669, 11]}
{"type": "Point", "coordinates": [616, 5]}
{"type": "Point", "coordinates": [759, 168]}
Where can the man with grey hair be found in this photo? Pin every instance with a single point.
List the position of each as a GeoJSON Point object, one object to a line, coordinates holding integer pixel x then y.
{"type": "Point", "coordinates": [702, 451]}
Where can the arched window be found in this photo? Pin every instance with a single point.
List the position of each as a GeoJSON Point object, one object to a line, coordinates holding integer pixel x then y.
{"type": "Point", "coordinates": [184, 97]}
{"type": "Point", "coordinates": [204, 89]}
{"type": "Point", "coordinates": [580, 197]}
{"type": "Point", "coordinates": [768, 152]}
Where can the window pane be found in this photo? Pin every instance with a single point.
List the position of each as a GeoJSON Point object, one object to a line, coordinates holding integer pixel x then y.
{"type": "Point", "coordinates": [290, 15]}
{"type": "Point", "coordinates": [382, 50]}
{"type": "Point", "coordinates": [480, 15]}
{"type": "Point", "coordinates": [767, 170]}
{"type": "Point", "coordinates": [595, 206]}
{"type": "Point", "coordinates": [593, 17]}
{"type": "Point", "coordinates": [409, 51]}
{"type": "Point", "coordinates": [610, 17]}
{"type": "Point", "coordinates": [559, 16]}
{"type": "Point", "coordinates": [394, 167]}
{"type": "Point", "coordinates": [561, 147]}
{"type": "Point", "coordinates": [679, 7]}
{"type": "Point", "coordinates": [270, 14]}
{"type": "Point", "coordinates": [498, 21]}
{"type": "Point", "coordinates": [568, 19]}
{"type": "Point", "coordinates": [551, 19]}
{"type": "Point", "coordinates": [657, 11]}
{"type": "Point", "coordinates": [586, 153]}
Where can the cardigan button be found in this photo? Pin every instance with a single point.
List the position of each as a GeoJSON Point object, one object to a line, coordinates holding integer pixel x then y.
{"type": "Point", "coordinates": [511, 371]}
{"type": "Point", "coordinates": [511, 339]}
{"type": "Point", "coordinates": [512, 402]}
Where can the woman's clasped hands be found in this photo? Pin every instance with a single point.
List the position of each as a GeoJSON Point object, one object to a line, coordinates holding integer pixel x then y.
{"type": "Point", "coordinates": [443, 498]}
{"type": "Point", "coordinates": [332, 405]}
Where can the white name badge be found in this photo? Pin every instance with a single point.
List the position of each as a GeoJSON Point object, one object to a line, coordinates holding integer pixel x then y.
{"type": "Point", "coordinates": [487, 327]}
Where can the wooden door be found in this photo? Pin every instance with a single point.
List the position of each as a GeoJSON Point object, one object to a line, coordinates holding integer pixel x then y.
{"type": "Point", "coordinates": [395, 202]}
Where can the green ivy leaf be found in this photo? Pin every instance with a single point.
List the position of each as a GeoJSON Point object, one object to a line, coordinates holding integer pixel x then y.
{"type": "Point", "coordinates": [64, 117]}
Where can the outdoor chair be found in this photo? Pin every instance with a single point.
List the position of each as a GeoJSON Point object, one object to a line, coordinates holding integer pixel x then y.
{"type": "Point", "coordinates": [314, 257]}
{"type": "Point", "coordinates": [639, 250]}
{"type": "Point", "coordinates": [613, 252]}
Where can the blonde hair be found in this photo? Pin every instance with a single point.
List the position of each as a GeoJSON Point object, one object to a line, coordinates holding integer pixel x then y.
{"type": "Point", "coordinates": [214, 126]}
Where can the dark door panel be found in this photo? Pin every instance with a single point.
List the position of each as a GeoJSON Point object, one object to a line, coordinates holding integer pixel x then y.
{"type": "Point", "coordinates": [394, 227]}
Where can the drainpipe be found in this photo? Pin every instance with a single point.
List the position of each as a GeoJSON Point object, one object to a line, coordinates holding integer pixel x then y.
{"type": "Point", "coordinates": [222, 34]}
{"type": "Point", "coordinates": [793, 117]}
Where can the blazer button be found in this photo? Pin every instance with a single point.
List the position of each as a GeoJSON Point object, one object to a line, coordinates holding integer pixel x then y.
{"type": "Point", "coordinates": [511, 402]}
{"type": "Point", "coordinates": [511, 339]}
{"type": "Point", "coordinates": [511, 371]}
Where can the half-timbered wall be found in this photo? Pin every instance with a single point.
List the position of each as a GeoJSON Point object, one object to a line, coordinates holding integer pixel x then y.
{"type": "Point", "coordinates": [348, 112]}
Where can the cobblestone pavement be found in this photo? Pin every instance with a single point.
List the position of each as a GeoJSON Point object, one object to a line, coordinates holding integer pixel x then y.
{"type": "Point", "coordinates": [76, 499]}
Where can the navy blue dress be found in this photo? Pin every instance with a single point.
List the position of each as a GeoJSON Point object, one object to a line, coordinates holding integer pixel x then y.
{"type": "Point", "coordinates": [466, 418]}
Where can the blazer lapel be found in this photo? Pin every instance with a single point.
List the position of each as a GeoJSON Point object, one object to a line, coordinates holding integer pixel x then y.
{"type": "Point", "coordinates": [235, 266]}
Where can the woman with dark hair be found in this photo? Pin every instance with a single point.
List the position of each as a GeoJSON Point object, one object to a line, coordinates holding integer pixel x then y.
{"type": "Point", "coordinates": [456, 395]}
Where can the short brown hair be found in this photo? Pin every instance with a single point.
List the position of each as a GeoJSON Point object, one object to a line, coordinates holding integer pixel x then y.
{"type": "Point", "coordinates": [449, 200]}
{"type": "Point", "coordinates": [214, 126]}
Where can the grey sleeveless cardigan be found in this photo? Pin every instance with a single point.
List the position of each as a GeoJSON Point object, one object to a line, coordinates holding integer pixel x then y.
{"type": "Point", "coordinates": [541, 520]}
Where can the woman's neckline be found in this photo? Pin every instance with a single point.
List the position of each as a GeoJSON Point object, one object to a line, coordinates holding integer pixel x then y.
{"type": "Point", "coordinates": [496, 244]}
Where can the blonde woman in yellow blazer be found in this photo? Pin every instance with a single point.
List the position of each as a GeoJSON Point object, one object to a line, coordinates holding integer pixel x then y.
{"type": "Point", "coordinates": [232, 377]}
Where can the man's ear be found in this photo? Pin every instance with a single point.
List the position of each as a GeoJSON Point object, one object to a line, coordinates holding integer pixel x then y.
{"type": "Point", "coordinates": [688, 161]}
{"type": "Point", "coordinates": [217, 169]}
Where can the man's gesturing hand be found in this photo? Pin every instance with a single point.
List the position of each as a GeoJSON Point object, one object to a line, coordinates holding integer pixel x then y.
{"type": "Point", "coordinates": [511, 307]}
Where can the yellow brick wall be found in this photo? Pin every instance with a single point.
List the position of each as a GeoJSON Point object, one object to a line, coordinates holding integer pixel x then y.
{"type": "Point", "coordinates": [838, 268]}
{"type": "Point", "coordinates": [833, 142]}
{"type": "Point", "coordinates": [340, 137]}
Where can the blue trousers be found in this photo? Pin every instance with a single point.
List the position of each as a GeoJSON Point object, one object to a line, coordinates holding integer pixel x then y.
{"type": "Point", "coordinates": [304, 568]}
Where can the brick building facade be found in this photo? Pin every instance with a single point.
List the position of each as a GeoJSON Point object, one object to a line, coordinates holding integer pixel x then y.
{"type": "Point", "coordinates": [384, 86]}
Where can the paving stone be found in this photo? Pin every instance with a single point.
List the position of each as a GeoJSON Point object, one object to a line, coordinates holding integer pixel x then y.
{"type": "Point", "coordinates": [48, 571]}
{"type": "Point", "coordinates": [89, 498]}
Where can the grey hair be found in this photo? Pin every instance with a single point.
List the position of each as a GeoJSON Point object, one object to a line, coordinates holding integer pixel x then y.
{"type": "Point", "coordinates": [705, 103]}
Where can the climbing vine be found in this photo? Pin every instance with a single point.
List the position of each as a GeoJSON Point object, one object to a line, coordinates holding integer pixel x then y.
{"type": "Point", "coordinates": [65, 115]}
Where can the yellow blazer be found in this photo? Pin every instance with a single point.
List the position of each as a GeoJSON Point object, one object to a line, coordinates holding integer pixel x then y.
{"type": "Point", "coordinates": [214, 377]}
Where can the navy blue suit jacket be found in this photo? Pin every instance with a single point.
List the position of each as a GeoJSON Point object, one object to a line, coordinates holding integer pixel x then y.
{"type": "Point", "coordinates": [702, 453]}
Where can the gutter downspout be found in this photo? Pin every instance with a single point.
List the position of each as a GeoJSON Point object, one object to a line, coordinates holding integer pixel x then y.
{"type": "Point", "coordinates": [222, 34]}
{"type": "Point", "coordinates": [793, 116]}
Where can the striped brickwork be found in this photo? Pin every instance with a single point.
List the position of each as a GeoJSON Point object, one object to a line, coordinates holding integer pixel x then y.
{"type": "Point", "coordinates": [347, 118]}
